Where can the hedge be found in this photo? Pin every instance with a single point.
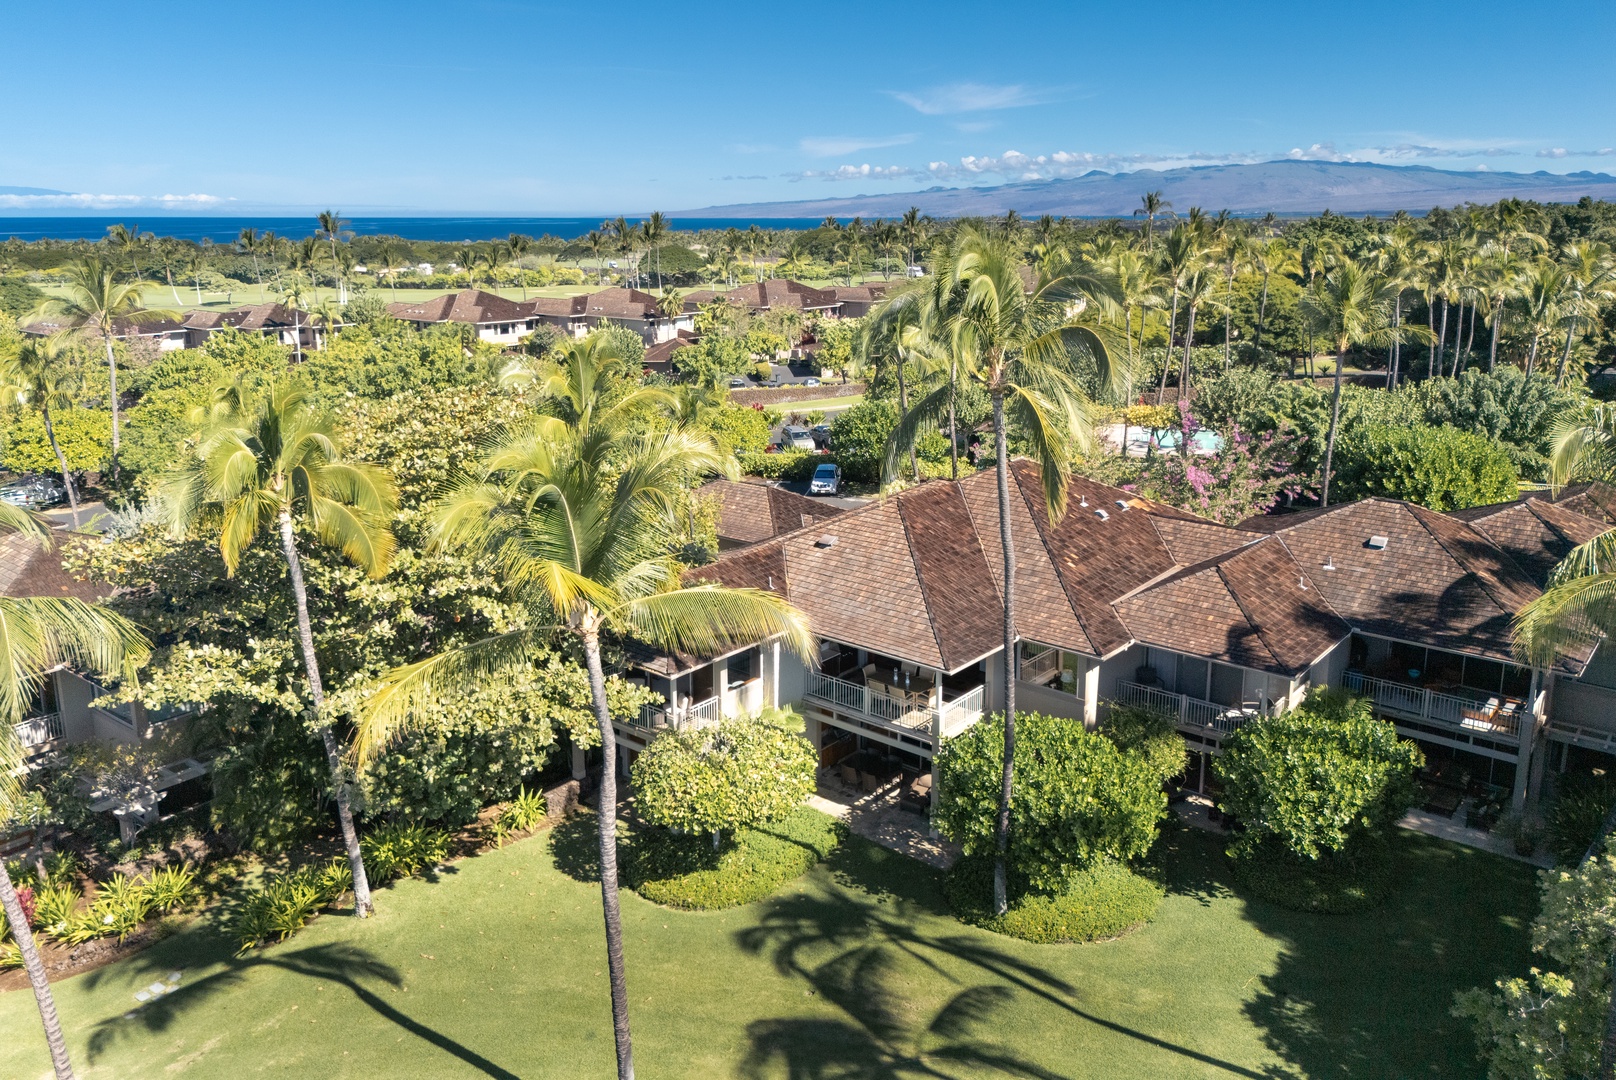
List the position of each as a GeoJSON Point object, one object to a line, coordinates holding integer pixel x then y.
{"type": "Point", "coordinates": [684, 871]}
{"type": "Point", "coordinates": [1104, 901]}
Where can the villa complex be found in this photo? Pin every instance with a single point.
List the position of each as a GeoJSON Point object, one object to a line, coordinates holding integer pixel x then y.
{"type": "Point", "coordinates": [1127, 600]}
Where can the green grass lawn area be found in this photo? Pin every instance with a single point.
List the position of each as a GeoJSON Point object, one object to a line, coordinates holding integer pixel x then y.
{"type": "Point", "coordinates": [808, 405]}
{"type": "Point", "coordinates": [160, 295]}
{"type": "Point", "coordinates": [498, 970]}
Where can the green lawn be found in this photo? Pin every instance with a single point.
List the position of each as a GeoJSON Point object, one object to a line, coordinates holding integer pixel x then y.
{"type": "Point", "coordinates": [498, 970]}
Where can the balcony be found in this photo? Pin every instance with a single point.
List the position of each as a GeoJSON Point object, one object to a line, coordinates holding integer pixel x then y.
{"type": "Point", "coordinates": [1189, 712]}
{"type": "Point", "coordinates": [1467, 715]}
{"type": "Point", "coordinates": [911, 715]}
{"type": "Point", "coordinates": [37, 732]}
{"type": "Point", "coordinates": [656, 718]}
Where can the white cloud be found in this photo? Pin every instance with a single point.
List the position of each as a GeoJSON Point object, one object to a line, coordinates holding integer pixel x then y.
{"type": "Point", "coordinates": [837, 145]}
{"type": "Point", "coordinates": [854, 172]}
{"type": "Point", "coordinates": [972, 97]}
{"type": "Point", "coordinates": [1406, 151]}
{"type": "Point", "coordinates": [109, 202]}
{"type": "Point", "coordinates": [1562, 152]}
{"type": "Point", "coordinates": [1062, 163]}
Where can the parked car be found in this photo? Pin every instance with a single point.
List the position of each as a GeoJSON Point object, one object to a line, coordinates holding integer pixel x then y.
{"type": "Point", "coordinates": [795, 438]}
{"type": "Point", "coordinates": [810, 381]}
{"type": "Point", "coordinates": [772, 383]}
{"type": "Point", "coordinates": [736, 383]}
{"type": "Point", "coordinates": [820, 434]}
{"type": "Point", "coordinates": [33, 492]}
{"type": "Point", "coordinates": [827, 480]}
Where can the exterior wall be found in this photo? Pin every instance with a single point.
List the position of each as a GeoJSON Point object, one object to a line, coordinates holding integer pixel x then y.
{"type": "Point", "coordinates": [1327, 672]}
{"type": "Point", "coordinates": [510, 333]}
{"type": "Point", "coordinates": [1031, 697]}
{"type": "Point", "coordinates": [1584, 705]}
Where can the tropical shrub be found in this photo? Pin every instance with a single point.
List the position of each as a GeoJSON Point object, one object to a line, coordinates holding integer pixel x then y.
{"type": "Point", "coordinates": [402, 849]}
{"type": "Point", "coordinates": [1103, 901]}
{"type": "Point", "coordinates": [1439, 467]}
{"type": "Point", "coordinates": [1506, 405]}
{"type": "Point", "coordinates": [740, 774]}
{"type": "Point", "coordinates": [786, 465]}
{"type": "Point", "coordinates": [1582, 801]}
{"type": "Point", "coordinates": [1149, 733]}
{"type": "Point", "coordinates": [84, 436]}
{"type": "Point", "coordinates": [1318, 777]}
{"type": "Point", "coordinates": [1548, 1026]}
{"type": "Point", "coordinates": [284, 904]}
{"type": "Point", "coordinates": [526, 811]}
{"type": "Point", "coordinates": [742, 428]}
{"type": "Point", "coordinates": [54, 905]}
{"type": "Point", "coordinates": [1078, 799]}
{"type": "Point", "coordinates": [860, 437]}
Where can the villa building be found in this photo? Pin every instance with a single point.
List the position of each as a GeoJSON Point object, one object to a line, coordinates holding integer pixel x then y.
{"type": "Point", "coordinates": [782, 294]}
{"type": "Point", "coordinates": [496, 319]}
{"type": "Point", "coordinates": [631, 308]}
{"type": "Point", "coordinates": [195, 327]}
{"type": "Point", "coordinates": [1126, 600]}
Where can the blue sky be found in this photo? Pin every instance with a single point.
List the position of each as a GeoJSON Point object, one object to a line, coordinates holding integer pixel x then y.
{"type": "Point", "coordinates": [515, 107]}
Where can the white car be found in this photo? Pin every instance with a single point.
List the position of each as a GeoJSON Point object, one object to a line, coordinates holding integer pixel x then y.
{"type": "Point", "coordinates": [827, 480]}
{"type": "Point", "coordinates": [796, 438]}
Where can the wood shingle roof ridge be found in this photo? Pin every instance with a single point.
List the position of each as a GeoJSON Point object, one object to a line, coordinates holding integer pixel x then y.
{"type": "Point", "coordinates": [952, 570]}
{"type": "Point", "coordinates": [1018, 469]}
{"type": "Point", "coordinates": [1428, 518]}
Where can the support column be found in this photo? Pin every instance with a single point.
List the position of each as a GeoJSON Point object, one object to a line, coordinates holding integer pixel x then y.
{"type": "Point", "coordinates": [1528, 742]}
{"type": "Point", "coordinates": [774, 676]}
{"type": "Point", "coordinates": [1091, 695]}
{"type": "Point", "coordinates": [936, 745]}
{"type": "Point", "coordinates": [577, 763]}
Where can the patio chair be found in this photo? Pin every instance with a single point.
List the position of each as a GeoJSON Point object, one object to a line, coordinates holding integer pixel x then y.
{"type": "Point", "coordinates": [870, 782]}
{"type": "Point", "coordinates": [850, 776]}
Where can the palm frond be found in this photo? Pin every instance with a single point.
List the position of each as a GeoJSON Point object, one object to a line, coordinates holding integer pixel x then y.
{"type": "Point", "coordinates": [15, 519]}
{"type": "Point", "coordinates": [923, 415]}
{"type": "Point", "coordinates": [704, 620]}
{"type": "Point", "coordinates": [1049, 440]}
{"type": "Point", "coordinates": [1573, 614]}
{"type": "Point", "coordinates": [39, 633]}
{"type": "Point", "coordinates": [405, 695]}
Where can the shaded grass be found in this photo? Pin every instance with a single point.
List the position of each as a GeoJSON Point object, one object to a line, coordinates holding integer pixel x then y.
{"type": "Point", "coordinates": [1105, 901]}
{"type": "Point", "coordinates": [854, 969]}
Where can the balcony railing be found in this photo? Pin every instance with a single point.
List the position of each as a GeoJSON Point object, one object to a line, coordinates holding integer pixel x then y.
{"type": "Point", "coordinates": [1188, 711]}
{"type": "Point", "coordinates": [662, 718]}
{"type": "Point", "coordinates": [909, 713]}
{"type": "Point", "coordinates": [39, 730]}
{"type": "Point", "coordinates": [1479, 715]}
{"type": "Point", "coordinates": [1039, 668]}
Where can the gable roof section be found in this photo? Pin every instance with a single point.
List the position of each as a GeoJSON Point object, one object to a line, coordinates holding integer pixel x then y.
{"type": "Point", "coordinates": [1536, 534]}
{"type": "Point", "coordinates": [466, 306]}
{"type": "Point", "coordinates": [27, 569]}
{"type": "Point", "coordinates": [749, 511]}
{"type": "Point", "coordinates": [953, 573]}
{"type": "Point", "coordinates": [1195, 540]}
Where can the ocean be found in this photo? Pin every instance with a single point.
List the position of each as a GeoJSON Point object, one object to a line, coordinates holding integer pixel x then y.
{"type": "Point", "coordinates": [224, 230]}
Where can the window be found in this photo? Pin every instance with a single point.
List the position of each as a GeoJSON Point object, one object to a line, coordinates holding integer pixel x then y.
{"type": "Point", "coordinates": [1191, 677]}
{"type": "Point", "coordinates": [742, 666]}
{"type": "Point", "coordinates": [1227, 685]}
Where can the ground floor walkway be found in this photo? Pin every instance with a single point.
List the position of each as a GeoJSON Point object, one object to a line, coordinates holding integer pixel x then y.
{"type": "Point", "coordinates": [879, 816]}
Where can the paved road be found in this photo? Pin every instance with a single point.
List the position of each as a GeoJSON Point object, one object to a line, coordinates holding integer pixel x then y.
{"type": "Point", "coordinates": [846, 502]}
{"type": "Point", "coordinates": [92, 516]}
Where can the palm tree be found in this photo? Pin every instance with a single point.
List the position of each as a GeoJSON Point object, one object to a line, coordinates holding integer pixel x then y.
{"type": "Point", "coordinates": [1542, 284]}
{"type": "Point", "coordinates": [583, 551]}
{"type": "Point", "coordinates": [389, 252]}
{"type": "Point", "coordinates": [913, 227]}
{"type": "Point", "coordinates": [295, 295]}
{"type": "Point", "coordinates": [494, 257]}
{"type": "Point", "coordinates": [466, 258]}
{"type": "Point", "coordinates": [626, 234]}
{"type": "Point", "coordinates": [1235, 252]}
{"type": "Point", "coordinates": [129, 241]}
{"type": "Point", "coordinates": [270, 464]}
{"type": "Point", "coordinates": [37, 635]}
{"type": "Point", "coordinates": [95, 301]}
{"type": "Point", "coordinates": [328, 313]}
{"type": "Point", "coordinates": [168, 253]}
{"type": "Point", "coordinates": [1200, 290]}
{"type": "Point", "coordinates": [519, 245]}
{"type": "Point", "coordinates": [334, 230]}
{"type": "Point", "coordinates": [250, 243]}
{"type": "Point", "coordinates": [35, 378]}
{"type": "Point", "coordinates": [597, 242]}
{"type": "Point", "coordinates": [1018, 344]}
{"type": "Point", "coordinates": [579, 379]}
{"type": "Point", "coordinates": [1351, 307]}
{"type": "Point", "coordinates": [1590, 285]}
{"type": "Point", "coordinates": [655, 232]}
{"type": "Point", "coordinates": [1272, 256]}
{"type": "Point", "coordinates": [1180, 254]}
{"type": "Point", "coordinates": [1151, 204]}
{"type": "Point", "coordinates": [1397, 260]}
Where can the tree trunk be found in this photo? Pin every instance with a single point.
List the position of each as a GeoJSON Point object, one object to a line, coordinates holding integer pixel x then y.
{"type": "Point", "coordinates": [1184, 372]}
{"type": "Point", "coordinates": [112, 383]}
{"type": "Point", "coordinates": [1442, 341]}
{"type": "Point", "coordinates": [1335, 421]}
{"type": "Point", "coordinates": [1262, 309]}
{"type": "Point", "coordinates": [1430, 320]}
{"type": "Point", "coordinates": [1565, 357]}
{"type": "Point", "coordinates": [1492, 349]}
{"type": "Point", "coordinates": [1167, 353]}
{"type": "Point", "coordinates": [1001, 897]}
{"type": "Point", "coordinates": [36, 975]}
{"type": "Point", "coordinates": [608, 859]}
{"type": "Point", "coordinates": [953, 424]}
{"type": "Point", "coordinates": [297, 335]}
{"type": "Point", "coordinates": [903, 411]}
{"type": "Point", "coordinates": [1397, 342]}
{"type": "Point", "coordinates": [1470, 340]}
{"type": "Point", "coordinates": [67, 478]}
{"type": "Point", "coordinates": [333, 755]}
{"type": "Point", "coordinates": [1531, 356]}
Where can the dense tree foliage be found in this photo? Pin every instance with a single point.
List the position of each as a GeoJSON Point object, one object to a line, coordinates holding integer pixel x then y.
{"type": "Point", "coordinates": [1079, 798]}
{"type": "Point", "coordinates": [734, 776]}
{"type": "Point", "coordinates": [1439, 467]}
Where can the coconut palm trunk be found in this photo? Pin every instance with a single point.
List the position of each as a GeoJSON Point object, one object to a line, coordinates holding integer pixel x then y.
{"type": "Point", "coordinates": [1001, 894]}
{"type": "Point", "coordinates": [1397, 346]}
{"type": "Point", "coordinates": [333, 755]}
{"type": "Point", "coordinates": [1442, 342]}
{"type": "Point", "coordinates": [607, 821]}
{"type": "Point", "coordinates": [1492, 348]}
{"type": "Point", "coordinates": [1565, 357]}
{"type": "Point", "coordinates": [953, 425]}
{"type": "Point", "coordinates": [36, 975]}
{"type": "Point", "coordinates": [903, 411]}
{"type": "Point", "coordinates": [67, 477]}
{"type": "Point", "coordinates": [1167, 358]}
{"type": "Point", "coordinates": [1262, 309]}
{"type": "Point", "coordinates": [112, 388]}
{"type": "Point", "coordinates": [1335, 423]}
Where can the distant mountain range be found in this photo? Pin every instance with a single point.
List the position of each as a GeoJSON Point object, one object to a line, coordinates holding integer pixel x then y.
{"type": "Point", "coordinates": [4, 190]}
{"type": "Point", "coordinates": [1280, 187]}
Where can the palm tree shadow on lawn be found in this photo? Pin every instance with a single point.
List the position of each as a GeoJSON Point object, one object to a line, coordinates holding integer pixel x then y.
{"type": "Point", "coordinates": [870, 927]}
{"type": "Point", "coordinates": [341, 965]}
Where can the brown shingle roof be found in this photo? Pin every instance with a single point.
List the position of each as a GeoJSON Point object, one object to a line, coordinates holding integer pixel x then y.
{"type": "Point", "coordinates": [781, 293]}
{"type": "Point", "coordinates": [466, 306]}
{"type": "Point", "coordinates": [953, 574]}
{"type": "Point", "coordinates": [753, 511]}
{"type": "Point", "coordinates": [1537, 534]}
{"type": "Point", "coordinates": [27, 569]}
{"type": "Point", "coordinates": [1252, 606]}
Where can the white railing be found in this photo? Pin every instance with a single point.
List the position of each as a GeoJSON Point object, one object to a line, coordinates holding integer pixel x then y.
{"type": "Point", "coordinates": [1040, 667]}
{"type": "Point", "coordinates": [39, 730]}
{"type": "Point", "coordinates": [962, 712]}
{"type": "Point", "coordinates": [1188, 711]}
{"type": "Point", "coordinates": [660, 717]}
{"type": "Point", "coordinates": [1416, 703]}
{"type": "Point", "coordinates": [891, 710]}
